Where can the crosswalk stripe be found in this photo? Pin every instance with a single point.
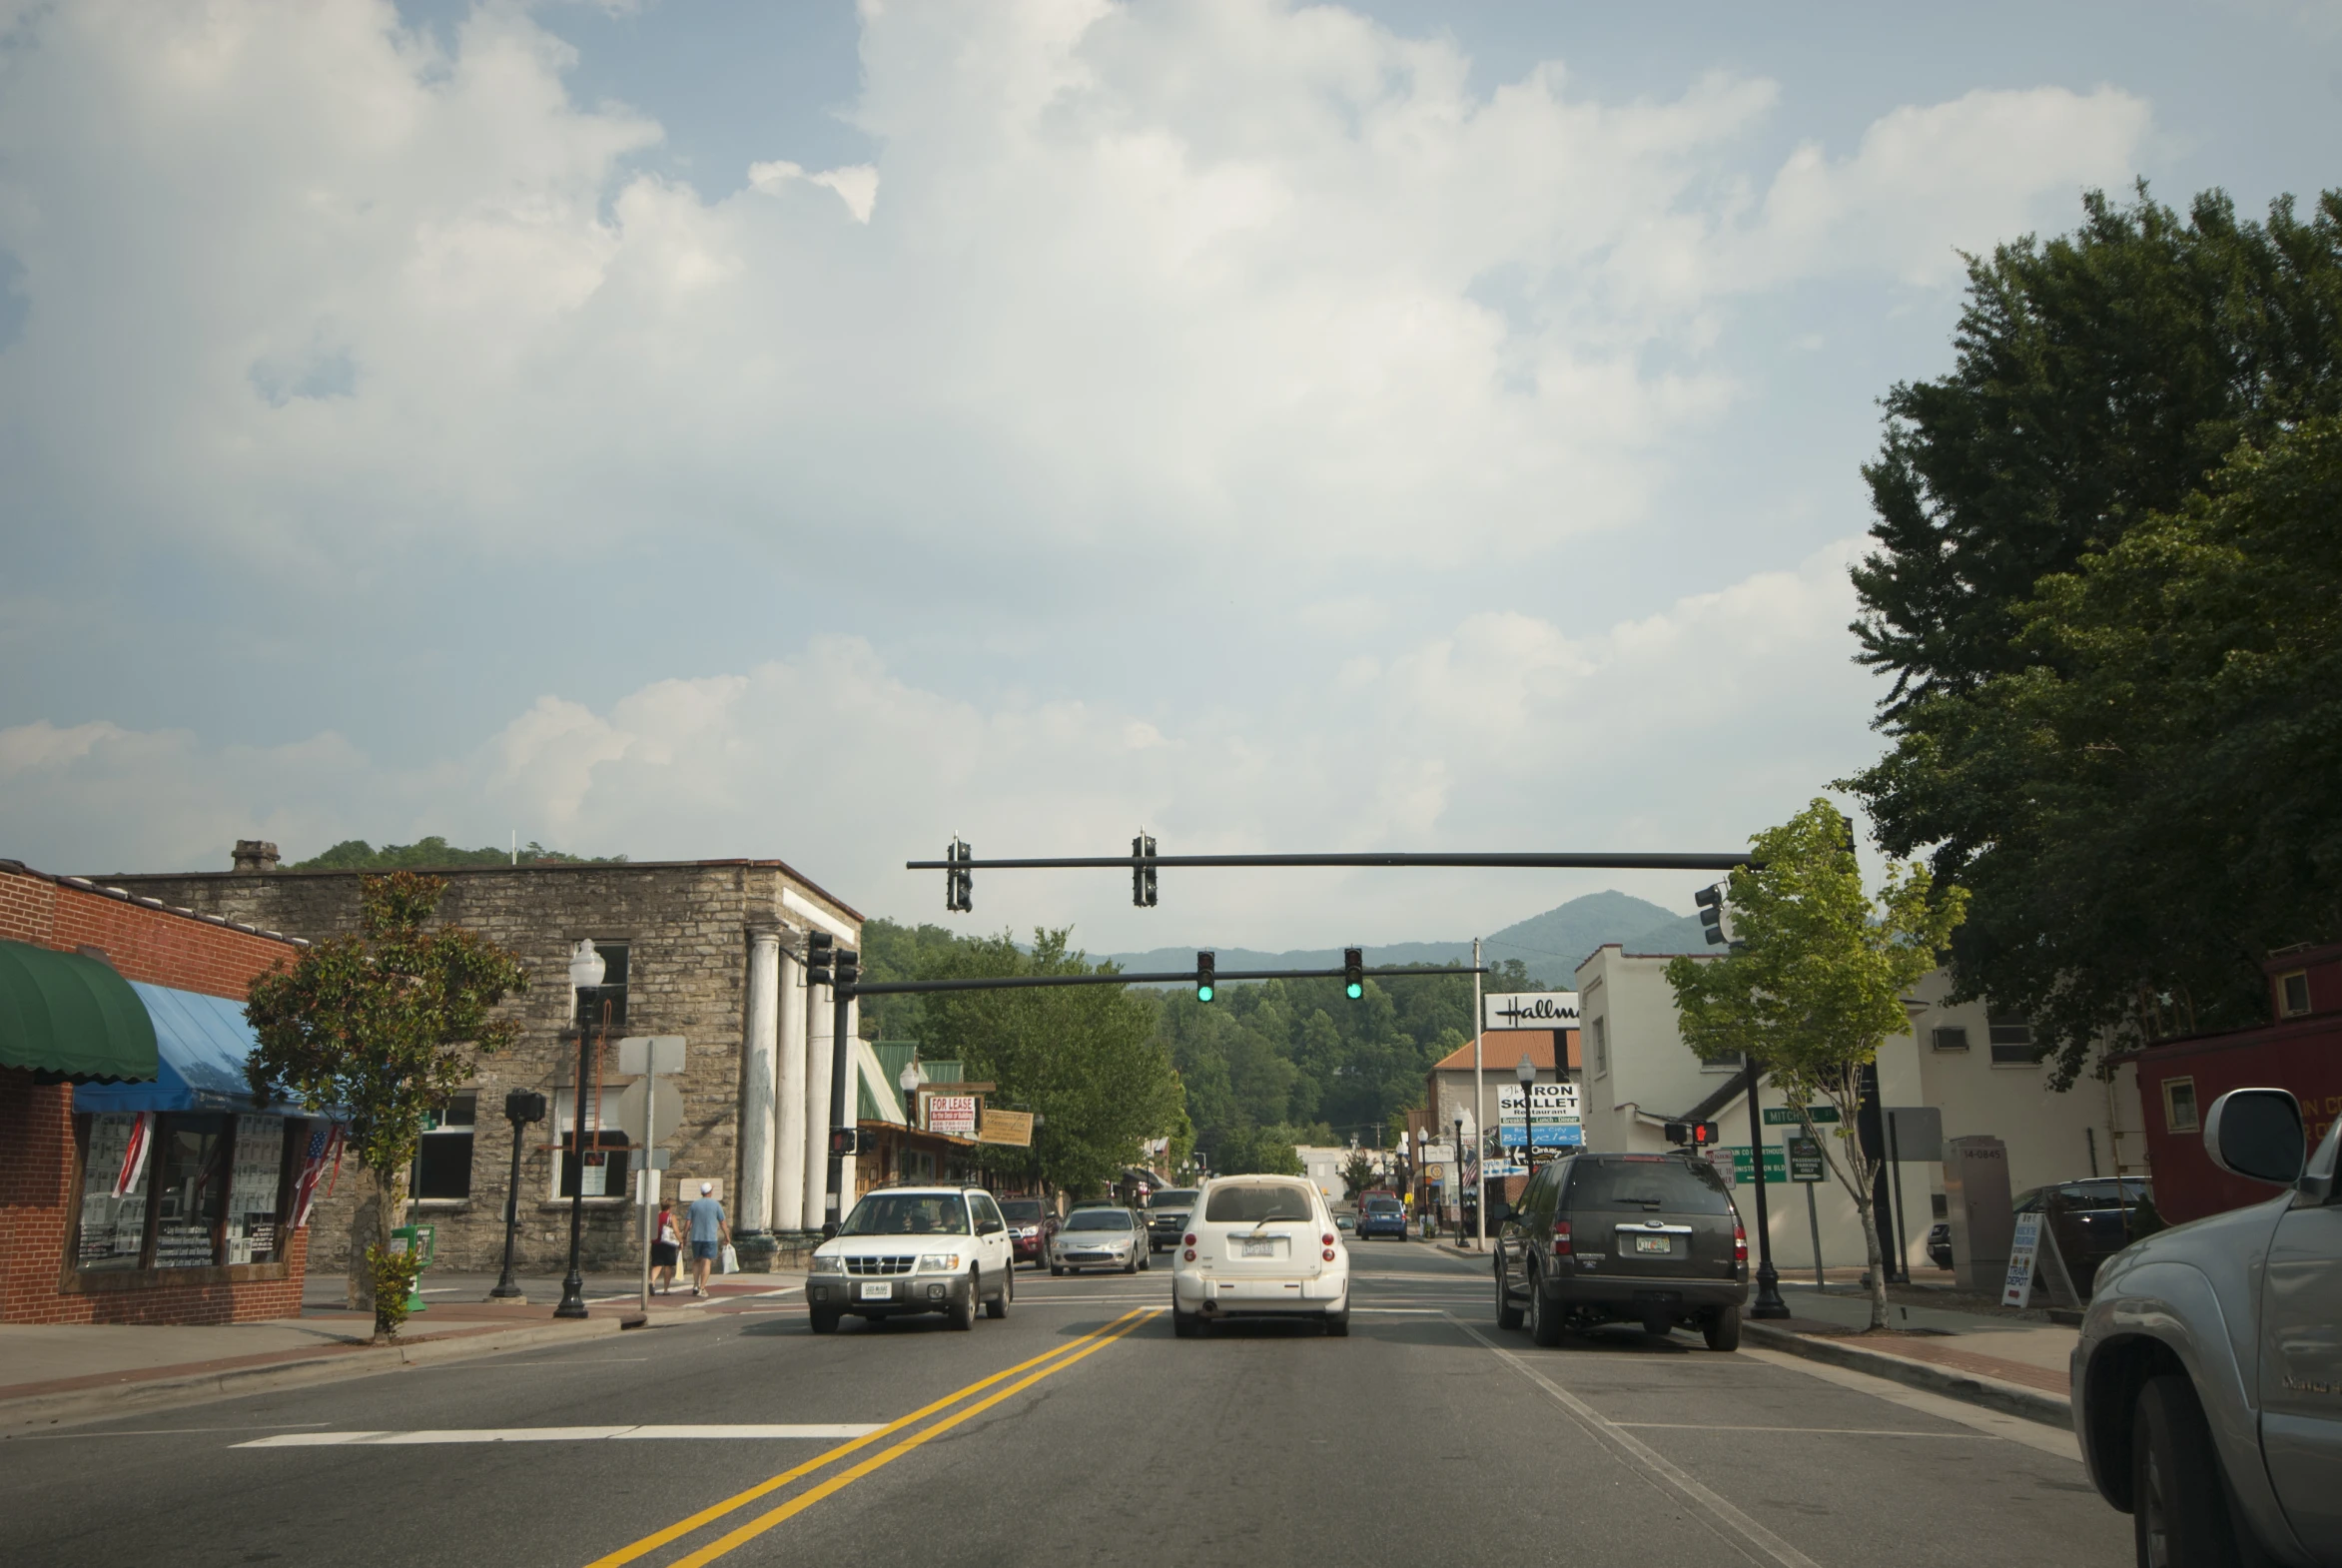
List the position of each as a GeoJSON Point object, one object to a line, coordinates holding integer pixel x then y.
{"type": "Point", "coordinates": [557, 1434]}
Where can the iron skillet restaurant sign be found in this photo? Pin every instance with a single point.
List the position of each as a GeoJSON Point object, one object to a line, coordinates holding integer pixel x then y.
{"type": "Point", "coordinates": [1529, 1010]}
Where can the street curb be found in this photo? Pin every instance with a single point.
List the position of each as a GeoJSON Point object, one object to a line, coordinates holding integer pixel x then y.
{"type": "Point", "coordinates": [1971, 1388]}
{"type": "Point", "coordinates": [155, 1393]}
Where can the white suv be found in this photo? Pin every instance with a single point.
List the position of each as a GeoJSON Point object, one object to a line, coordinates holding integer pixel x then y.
{"type": "Point", "coordinates": [1261, 1247]}
{"type": "Point", "coordinates": [911, 1250]}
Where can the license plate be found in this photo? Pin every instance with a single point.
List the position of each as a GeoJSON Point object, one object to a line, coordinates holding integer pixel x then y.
{"type": "Point", "coordinates": [1653, 1243]}
{"type": "Point", "coordinates": [878, 1290]}
{"type": "Point", "coordinates": [1256, 1249]}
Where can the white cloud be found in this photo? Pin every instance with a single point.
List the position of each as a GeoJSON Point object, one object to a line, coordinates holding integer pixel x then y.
{"type": "Point", "coordinates": [1238, 271]}
{"type": "Point", "coordinates": [1506, 732]}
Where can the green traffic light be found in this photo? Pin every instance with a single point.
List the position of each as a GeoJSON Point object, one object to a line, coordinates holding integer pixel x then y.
{"type": "Point", "coordinates": [1356, 990]}
{"type": "Point", "coordinates": [1203, 993]}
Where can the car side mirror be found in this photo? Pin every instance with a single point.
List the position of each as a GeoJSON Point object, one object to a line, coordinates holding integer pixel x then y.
{"type": "Point", "coordinates": [829, 1230]}
{"type": "Point", "coordinates": [2257, 1133]}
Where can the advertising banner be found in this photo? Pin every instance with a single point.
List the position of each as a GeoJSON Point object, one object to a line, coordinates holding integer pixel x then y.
{"type": "Point", "coordinates": [1529, 1010]}
{"type": "Point", "coordinates": [1014, 1128]}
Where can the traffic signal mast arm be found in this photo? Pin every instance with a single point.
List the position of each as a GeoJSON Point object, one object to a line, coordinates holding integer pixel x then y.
{"type": "Point", "coordinates": [1602, 860]}
{"type": "Point", "coordinates": [1180, 976]}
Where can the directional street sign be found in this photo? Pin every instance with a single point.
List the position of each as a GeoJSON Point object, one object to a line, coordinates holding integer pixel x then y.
{"type": "Point", "coordinates": [1743, 1162]}
{"type": "Point", "coordinates": [1784, 1116]}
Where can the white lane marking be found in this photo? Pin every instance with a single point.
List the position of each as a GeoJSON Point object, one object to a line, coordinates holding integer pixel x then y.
{"type": "Point", "coordinates": [2058, 1440]}
{"type": "Point", "coordinates": [167, 1431]}
{"type": "Point", "coordinates": [1653, 1464]}
{"type": "Point", "coordinates": [1823, 1431]}
{"type": "Point", "coordinates": [556, 1434]}
{"type": "Point", "coordinates": [501, 1365]}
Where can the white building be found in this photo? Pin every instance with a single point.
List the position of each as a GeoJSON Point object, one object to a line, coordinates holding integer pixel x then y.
{"type": "Point", "coordinates": [1975, 1069]}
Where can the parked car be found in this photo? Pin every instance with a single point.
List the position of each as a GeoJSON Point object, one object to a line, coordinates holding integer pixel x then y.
{"type": "Point", "coordinates": [1611, 1238]}
{"type": "Point", "coordinates": [1031, 1222]}
{"type": "Point", "coordinates": [1379, 1213]}
{"type": "Point", "coordinates": [1261, 1247]}
{"type": "Point", "coordinates": [903, 1250]}
{"type": "Point", "coordinates": [1099, 1238]}
{"type": "Point", "coordinates": [2090, 1219]}
{"type": "Point", "coordinates": [2207, 1379]}
{"type": "Point", "coordinates": [1940, 1244]}
{"type": "Point", "coordinates": [1166, 1217]}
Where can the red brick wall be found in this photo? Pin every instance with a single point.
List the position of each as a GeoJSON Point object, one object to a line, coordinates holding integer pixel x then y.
{"type": "Point", "coordinates": [36, 1119]}
{"type": "Point", "coordinates": [152, 945]}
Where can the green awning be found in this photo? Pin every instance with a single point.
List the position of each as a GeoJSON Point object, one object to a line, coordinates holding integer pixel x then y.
{"type": "Point", "coordinates": [72, 1018]}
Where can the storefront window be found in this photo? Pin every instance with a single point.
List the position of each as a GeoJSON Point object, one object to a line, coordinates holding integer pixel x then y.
{"type": "Point", "coordinates": [442, 1162]}
{"type": "Point", "coordinates": [190, 1192]}
{"type": "Point", "coordinates": [607, 1159]}
{"type": "Point", "coordinates": [114, 1230]}
{"type": "Point", "coordinates": [254, 1183]}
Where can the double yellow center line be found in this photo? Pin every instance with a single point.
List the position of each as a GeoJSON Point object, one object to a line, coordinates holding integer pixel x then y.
{"type": "Point", "coordinates": [1047, 1364]}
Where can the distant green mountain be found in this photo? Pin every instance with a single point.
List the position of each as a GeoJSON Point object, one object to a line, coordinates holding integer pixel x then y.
{"type": "Point", "coordinates": [1551, 945]}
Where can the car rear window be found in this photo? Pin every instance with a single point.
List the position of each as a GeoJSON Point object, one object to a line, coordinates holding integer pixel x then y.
{"type": "Point", "coordinates": [1255, 1204]}
{"type": "Point", "coordinates": [1178, 1198]}
{"type": "Point", "coordinates": [1382, 1205]}
{"type": "Point", "coordinates": [1654, 1183]}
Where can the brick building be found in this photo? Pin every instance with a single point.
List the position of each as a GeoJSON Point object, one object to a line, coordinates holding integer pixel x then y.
{"type": "Point", "coordinates": [709, 950]}
{"type": "Point", "coordinates": [138, 1183]}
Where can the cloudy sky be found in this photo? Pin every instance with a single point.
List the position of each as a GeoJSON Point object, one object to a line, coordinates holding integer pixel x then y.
{"type": "Point", "coordinates": [700, 429]}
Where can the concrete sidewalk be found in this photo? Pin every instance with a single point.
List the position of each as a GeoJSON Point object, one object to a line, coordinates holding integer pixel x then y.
{"type": "Point", "coordinates": [2007, 1361]}
{"type": "Point", "coordinates": [58, 1372]}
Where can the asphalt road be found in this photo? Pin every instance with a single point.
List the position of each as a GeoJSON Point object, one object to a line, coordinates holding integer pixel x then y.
{"type": "Point", "coordinates": [1427, 1436]}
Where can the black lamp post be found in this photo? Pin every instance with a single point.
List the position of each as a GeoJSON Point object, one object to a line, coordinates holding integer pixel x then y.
{"type": "Point", "coordinates": [1526, 1072]}
{"type": "Point", "coordinates": [1769, 1302]}
{"type": "Point", "coordinates": [587, 968]}
{"type": "Point", "coordinates": [522, 1108]}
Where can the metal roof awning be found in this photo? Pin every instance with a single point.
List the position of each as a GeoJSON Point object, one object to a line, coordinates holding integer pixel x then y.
{"type": "Point", "coordinates": [72, 1019]}
{"type": "Point", "coordinates": [202, 1042]}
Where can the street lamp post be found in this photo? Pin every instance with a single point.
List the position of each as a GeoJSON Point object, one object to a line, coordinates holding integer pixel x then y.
{"type": "Point", "coordinates": [1526, 1072]}
{"type": "Point", "coordinates": [1767, 1302]}
{"type": "Point", "coordinates": [907, 1081]}
{"type": "Point", "coordinates": [587, 968]}
{"type": "Point", "coordinates": [522, 1108]}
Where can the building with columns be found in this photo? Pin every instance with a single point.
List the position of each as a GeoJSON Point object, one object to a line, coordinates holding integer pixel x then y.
{"type": "Point", "coordinates": [710, 950]}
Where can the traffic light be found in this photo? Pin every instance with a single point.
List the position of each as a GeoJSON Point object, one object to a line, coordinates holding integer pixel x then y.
{"type": "Point", "coordinates": [1353, 973]}
{"type": "Point", "coordinates": [1206, 964]}
{"type": "Point", "coordinates": [849, 969]}
{"type": "Point", "coordinates": [959, 881]}
{"type": "Point", "coordinates": [1699, 1134]}
{"type": "Point", "coordinates": [1711, 902]}
{"type": "Point", "coordinates": [820, 947]}
{"type": "Point", "coordinates": [847, 1140]}
{"type": "Point", "coordinates": [1143, 877]}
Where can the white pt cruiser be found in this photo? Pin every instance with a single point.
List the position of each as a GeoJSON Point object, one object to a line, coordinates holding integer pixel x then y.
{"type": "Point", "coordinates": [1261, 1247]}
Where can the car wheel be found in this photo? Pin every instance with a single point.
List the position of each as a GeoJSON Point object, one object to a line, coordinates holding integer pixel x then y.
{"type": "Point", "coordinates": [1507, 1314]}
{"type": "Point", "coordinates": [824, 1322]}
{"type": "Point", "coordinates": [1147, 1262]}
{"type": "Point", "coordinates": [960, 1314]}
{"type": "Point", "coordinates": [1544, 1321]}
{"type": "Point", "coordinates": [1187, 1325]}
{"type": "Point", "coordinates": [1338, 1325]}
{"type": "Point", "coordinates": [1054, 1271]}
{"type": "Point", "coordinates": [1131, 1267]}
{"type": "Point", "coordinates": [997, 1306]}
{"type": "Point", "coordinates": [2179, 1507]}
{"type": "Point", "coordinates": [1721, 1328]}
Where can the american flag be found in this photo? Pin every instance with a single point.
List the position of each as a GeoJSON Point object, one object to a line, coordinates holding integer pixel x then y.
{"type": "Point", "coordinates": [134, 1154]}
{"type": "Point", "coordinates": [325, 1149]}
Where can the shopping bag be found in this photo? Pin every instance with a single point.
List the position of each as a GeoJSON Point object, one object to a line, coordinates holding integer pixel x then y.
{"type": "Point", "coordinates": [731, 1262]}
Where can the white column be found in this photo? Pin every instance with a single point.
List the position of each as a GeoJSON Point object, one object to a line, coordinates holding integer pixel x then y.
{"type": "Point", "coordinates": [789, 1146]}
{"type": "Point", "coordinates": [754, 1211]}
{"type": "Point", "coordinates": [817, 1105]}
{"type": "Point", "coordinates": [853, 1102]}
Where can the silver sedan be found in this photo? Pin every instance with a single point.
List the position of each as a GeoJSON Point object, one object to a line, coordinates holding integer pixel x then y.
{"type": "Point", "coordinates": [1101, 1239]}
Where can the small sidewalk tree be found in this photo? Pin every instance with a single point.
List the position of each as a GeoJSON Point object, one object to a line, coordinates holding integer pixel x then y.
{"type": "Point", "coordinates": [382, 1026]}
{"type": "Point", "coordinates": [1814, 980]}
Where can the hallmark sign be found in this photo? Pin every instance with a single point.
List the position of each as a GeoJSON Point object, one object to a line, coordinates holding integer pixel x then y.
{"type": "Point", "coordinates": [1530, 1010]}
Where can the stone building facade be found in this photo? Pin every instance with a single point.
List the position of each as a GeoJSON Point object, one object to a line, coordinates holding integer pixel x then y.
{"type": "Point", "coordinates": [708, 949]}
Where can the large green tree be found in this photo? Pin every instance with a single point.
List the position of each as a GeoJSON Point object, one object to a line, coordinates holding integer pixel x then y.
{"type": "Point", "coordinates": [382, 1026]}
{"type": "Point", "coordinates": [2102, 379]}
{"type": "Point", "coordinates": [1814, 983]}
{"type": "Point", "coordinates": [1085, 1056]}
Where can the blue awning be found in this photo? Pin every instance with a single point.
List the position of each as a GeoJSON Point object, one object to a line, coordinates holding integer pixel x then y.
{"type": "Point", "coordinates": [202, 1042]}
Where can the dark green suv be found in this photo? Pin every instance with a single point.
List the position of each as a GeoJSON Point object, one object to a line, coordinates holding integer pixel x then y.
{"type": "Point", "coordinates": [1615, 1238]}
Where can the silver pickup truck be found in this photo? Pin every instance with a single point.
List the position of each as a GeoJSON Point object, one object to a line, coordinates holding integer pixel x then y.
{"type": "Point", "coordinates": [2208, 1382]}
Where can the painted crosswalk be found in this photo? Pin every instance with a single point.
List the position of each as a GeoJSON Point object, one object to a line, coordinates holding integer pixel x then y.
{"type": "Point", "coordinates": [559, 1434]}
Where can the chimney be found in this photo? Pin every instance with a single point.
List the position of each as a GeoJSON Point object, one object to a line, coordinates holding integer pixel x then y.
{"type": "Point", "coordinates": [255, 855]}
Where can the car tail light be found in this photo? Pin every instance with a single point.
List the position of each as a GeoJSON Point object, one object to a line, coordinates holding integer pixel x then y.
{"type": "Point", "coordinates": [1329, 1254]}
{"type": "Point", "coordinates": [1191, 1241]}
{"type": "Point", "coordinates": [1740, 1245]}
{"type": "Point", "coordinates": [1561, 1241]}
{"type": "Point", "coordinates": [1190, 1254]}
{"type": "Point", "coordinates": [1325, 1241]}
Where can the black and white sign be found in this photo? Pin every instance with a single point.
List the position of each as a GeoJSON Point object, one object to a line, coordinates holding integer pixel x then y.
{"type": "Point", "coordinates": [1547, 1102]}
{"type": "Point", "coordinates": [1529, 1010]}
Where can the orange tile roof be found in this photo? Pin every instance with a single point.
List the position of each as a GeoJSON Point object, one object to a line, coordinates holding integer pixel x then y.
{"type": "Point", "coordinates": [1500, 1051]}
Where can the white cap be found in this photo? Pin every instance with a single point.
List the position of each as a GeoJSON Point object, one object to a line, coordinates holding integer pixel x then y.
{"type": "Point", "coordinates": [707, 1186]}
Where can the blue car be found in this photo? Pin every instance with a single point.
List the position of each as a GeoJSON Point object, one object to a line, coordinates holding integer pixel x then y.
{"type": "Point", "coordinates": [1382, 1216]}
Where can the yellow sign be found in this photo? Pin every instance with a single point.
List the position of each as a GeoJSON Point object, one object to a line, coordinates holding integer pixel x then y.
{"type": "Point", "coordinates": [1007, 1127]}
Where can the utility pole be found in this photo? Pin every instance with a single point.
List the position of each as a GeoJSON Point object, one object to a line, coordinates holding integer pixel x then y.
{"type": "Point", "coordinates": [1479, 1104]}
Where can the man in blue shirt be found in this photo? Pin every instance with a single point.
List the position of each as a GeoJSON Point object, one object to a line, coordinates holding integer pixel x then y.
{"type": "Point", "coordinates": [709, 1232]}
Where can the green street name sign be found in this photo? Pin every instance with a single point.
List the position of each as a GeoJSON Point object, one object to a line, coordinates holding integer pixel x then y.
{"type": "Point", "coordinates": [1776, 1171]}
{"type": "Point", "coordinates": [1784, 1116]}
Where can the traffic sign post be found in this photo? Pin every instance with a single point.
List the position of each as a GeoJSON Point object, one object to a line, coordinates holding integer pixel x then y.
{"type": "Point", "coordinates": [1807, 1167]}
